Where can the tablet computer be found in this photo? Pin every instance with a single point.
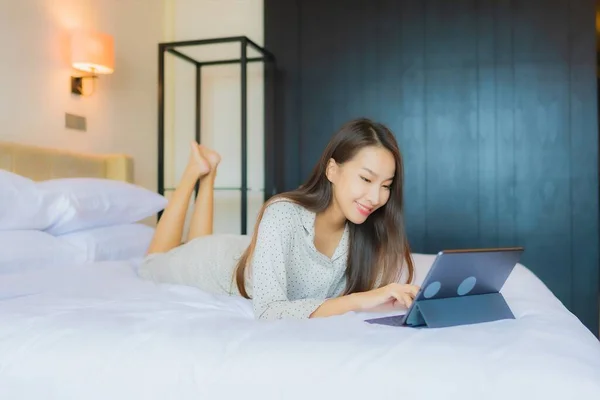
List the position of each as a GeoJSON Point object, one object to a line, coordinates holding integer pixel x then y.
{"type": "Point", "coordinates": [459, 273]}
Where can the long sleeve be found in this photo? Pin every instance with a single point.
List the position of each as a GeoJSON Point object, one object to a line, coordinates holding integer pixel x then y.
{"type": "Point", "coordinates": [272, 257]}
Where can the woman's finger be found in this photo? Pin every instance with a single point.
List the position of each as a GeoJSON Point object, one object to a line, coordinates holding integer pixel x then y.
{"type": "Point", "coordinates": [413, 290]}
{"type": "Point", "coordinates": [407, 300]}
{"type": "Point", "coordinates": [401, 297]}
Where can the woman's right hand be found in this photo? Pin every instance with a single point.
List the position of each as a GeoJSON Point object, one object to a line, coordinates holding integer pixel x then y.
{"type": "Point", "coordinates": [389, 297]}
{"type": "Point", "coordinates": [386, 298]}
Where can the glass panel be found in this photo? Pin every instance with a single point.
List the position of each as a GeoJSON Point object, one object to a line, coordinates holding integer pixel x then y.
{"type": "Point", "coordinates": [227, 212]}
{"type": "Point", "coordinates": [220, 129]}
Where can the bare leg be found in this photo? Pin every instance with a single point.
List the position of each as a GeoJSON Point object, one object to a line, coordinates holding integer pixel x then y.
{"type": "Point", "coordinates": [202, 218]}
{"type": "Point", "coordinates": [169, 229]}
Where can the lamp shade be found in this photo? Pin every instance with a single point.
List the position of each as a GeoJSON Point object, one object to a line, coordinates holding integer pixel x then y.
{"type": "Point", "coordinates": [92, 52]}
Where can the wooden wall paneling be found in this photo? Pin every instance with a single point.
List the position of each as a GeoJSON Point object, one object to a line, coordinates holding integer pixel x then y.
{"type": "Point", "coordinates": [409, 81]}
{"type": "Point", "coordinates": [282, 35]}
{"type": "Point", "coordinates": [583, 122]}
{"type": "Point", "coordinates": [318, 93]}
{"type": "Point", "coordinates": [504, 124]}
{"type": "Point", "coordinates": [451, 125]}
{"type": "Point", "coordinates": [486, 127]}
{"type": "Point", "coordinates": [541, 103]}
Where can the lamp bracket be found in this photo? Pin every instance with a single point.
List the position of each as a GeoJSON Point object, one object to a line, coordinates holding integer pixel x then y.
{"type": "Point", "coordinates": [77, 83]}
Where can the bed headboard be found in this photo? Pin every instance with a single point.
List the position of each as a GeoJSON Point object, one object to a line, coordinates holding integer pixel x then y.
{"type": "Point", "coordinates": [40, 163]}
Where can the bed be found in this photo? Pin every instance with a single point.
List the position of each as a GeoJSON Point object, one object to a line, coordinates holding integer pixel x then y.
{"type": "Point", "coordinates": [89, 329]}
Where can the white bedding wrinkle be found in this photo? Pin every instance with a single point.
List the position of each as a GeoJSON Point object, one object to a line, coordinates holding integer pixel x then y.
{"type": "Point", "coordinates": [98, 331]}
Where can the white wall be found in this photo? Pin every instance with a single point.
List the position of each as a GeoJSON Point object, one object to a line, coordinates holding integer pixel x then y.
{"type": "Point", "coordinates": [221, 124]}
{"type": "Point", "coordinates": [35, 83]}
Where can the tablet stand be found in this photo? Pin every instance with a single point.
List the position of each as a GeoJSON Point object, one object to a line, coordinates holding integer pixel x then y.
{"type": "Point", "coordinates": [464, 310]}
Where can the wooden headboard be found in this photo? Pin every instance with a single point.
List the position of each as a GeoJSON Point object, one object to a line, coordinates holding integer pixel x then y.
{"type": "Point", "coordinates": [40, 163]}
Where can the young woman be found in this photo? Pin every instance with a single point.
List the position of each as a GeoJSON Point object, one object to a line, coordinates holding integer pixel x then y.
{"type": "Point", "coordinates": [334, 245]}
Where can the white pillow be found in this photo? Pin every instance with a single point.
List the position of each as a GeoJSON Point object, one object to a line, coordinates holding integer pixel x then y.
{"type": "Point", "coordinates": [24, 207]}
{"type": "Point", "coordinates": [112, 243]}
{"type": "Point", "coordinates": [95, 202]}
{"type": "Point", "coordinates": [26, 249]}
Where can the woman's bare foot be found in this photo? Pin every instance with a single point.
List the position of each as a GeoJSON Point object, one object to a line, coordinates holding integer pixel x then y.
{"type": "Point", "coordinates": [211, 156]}
{"type": "Point", "coordinates": [198, 165]}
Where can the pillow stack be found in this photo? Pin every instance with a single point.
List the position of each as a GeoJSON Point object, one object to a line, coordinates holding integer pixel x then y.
{"type": "Point", "coordinates": [73, 220]}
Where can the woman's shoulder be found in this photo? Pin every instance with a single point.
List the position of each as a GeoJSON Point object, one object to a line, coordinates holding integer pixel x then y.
{"type": "Point", "coordinates": [283, 205]}
{"type": "Point", "coordinates": [283, 211]}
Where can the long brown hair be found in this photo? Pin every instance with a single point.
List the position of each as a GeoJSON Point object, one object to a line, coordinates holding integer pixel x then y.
{"type": "Point", "coordinates": [378, 248]}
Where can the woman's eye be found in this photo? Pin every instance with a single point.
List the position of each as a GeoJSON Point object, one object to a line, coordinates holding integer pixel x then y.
{"type": "Point", "coordinates": [387, 187]}
{"type": "Point", "coordinates": [365, 179]}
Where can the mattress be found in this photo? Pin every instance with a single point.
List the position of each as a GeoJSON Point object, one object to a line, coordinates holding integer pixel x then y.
{"type": "Point", "coordinates": [97, 331]}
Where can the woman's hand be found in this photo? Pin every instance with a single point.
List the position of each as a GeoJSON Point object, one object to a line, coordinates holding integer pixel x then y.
{"type": "Point", "coordinates": [389, 297]}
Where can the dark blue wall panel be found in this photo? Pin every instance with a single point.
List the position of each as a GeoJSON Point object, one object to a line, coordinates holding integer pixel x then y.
{"type": "Point", "coordinates": [494, 105]}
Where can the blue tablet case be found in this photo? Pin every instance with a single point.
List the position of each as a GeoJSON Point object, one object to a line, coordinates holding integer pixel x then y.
{"type": "Point", "coordinates": [453, 311]}
{"type": "Point", "coordinates": [461, 288]}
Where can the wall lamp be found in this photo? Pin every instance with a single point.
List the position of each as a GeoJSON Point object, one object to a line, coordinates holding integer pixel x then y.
{"type": "Point", "coordinates": [91, 52]}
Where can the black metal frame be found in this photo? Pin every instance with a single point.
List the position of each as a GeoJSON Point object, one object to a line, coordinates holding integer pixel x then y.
{"type": "Point", "coordinates": [269, 81]}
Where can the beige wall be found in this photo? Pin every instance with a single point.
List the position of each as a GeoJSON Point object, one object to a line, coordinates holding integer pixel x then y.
{"type": "Point", "coordinates": [122, 112]}
{"type": "Point", "coordinates": [35, 71]}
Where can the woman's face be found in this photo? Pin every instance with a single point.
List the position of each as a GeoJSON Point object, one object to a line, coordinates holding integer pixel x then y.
{"type": "Point", "coordinates": [362, 184]}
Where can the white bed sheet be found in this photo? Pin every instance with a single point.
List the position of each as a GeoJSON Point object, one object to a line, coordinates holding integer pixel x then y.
{"type": "Point", "coordinates": [96, 331]}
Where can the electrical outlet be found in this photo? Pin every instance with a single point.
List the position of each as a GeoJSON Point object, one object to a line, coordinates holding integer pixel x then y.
{"type": "Point", "coordinates": [77, 122]}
